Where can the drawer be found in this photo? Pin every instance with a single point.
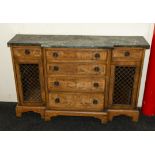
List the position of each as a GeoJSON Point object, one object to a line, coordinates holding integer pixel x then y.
{"type": "Point", "coordinates": [76, 54]}
{"type": "Point", "coordinates": [27, 52]}
{"type": "Point", "coordinates": [76, 69]}
{"type": "Point", "coordinates": [76, 84]}
{"type": "Point", "coordinates": [127, 54]}
{"type": "Point", "coordinates": [76, 101]}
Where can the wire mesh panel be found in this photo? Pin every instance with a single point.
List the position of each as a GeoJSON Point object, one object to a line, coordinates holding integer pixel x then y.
{"type": "Point", "coordinates": [123, 85]}
{"type": "Point", "coordinates": [30, 82]}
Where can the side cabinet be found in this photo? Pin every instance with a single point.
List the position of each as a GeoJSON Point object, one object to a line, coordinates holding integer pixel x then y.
{"type": "Point", "coordinates": [125, 76]}
{"type": "Point", "coordinates": [29, 76]}
{"type": "Point", "coordinates": [124, 85]}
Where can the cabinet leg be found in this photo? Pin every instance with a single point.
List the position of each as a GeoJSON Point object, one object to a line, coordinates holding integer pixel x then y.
{"type": "Point", "coordinates": [135, 118]}
{"type": "Point", "coordinates": [110, 118]}
{"type": "Point", "coordinates": [134, 114]}
{"type": "Point", "coordinates": [104, 121]}
{"type": "Point", "coordinates": [47, 118]}
{"type": "Point", "coordinates": [23, 109]}
{"type": "Point", "coordinates": [42, 115]}
{"type": "Point", "coordinates": [18, 114]}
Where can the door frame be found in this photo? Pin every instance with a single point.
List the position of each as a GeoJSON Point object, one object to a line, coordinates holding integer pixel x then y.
{"type": "Point", "coordinates": [135, 85]}
{"type": "Point", "coordinates": [41, 79]}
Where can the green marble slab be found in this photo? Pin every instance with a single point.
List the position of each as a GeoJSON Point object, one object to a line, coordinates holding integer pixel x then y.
{"type": "Point", "coordinates": [78, 41]}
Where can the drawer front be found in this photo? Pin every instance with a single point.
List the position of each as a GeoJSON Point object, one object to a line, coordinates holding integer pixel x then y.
{"type": "Point", "coordinates": [27, 52]}
{"type": "Point", "coordinates": [127, 54]}
{"type": "Point", "coordinates": [76, 69]}
{"type": "Point", "coordinates": [76, 101]}
{"type": "Point", "coordinates": [76, 84]}
{"type": "Point", "coordinates": [76, 54]}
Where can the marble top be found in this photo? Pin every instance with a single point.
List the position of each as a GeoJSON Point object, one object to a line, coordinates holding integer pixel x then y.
{"type": "Point", "coordinates": [78, 41]}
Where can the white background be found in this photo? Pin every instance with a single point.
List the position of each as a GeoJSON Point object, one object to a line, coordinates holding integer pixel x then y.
{"type": "Point", "coordinates": [7, 31]}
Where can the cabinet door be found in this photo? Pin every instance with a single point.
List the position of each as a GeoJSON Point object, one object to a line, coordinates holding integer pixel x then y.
{"type": "Point", "coordinates": [30, 82]}
{"type": "Point", "coordinates": [124, 82]}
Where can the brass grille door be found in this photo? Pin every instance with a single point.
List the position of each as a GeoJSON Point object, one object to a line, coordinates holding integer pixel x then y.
{"type": "Point", "coordinates": [123, 85]}
{"type": "Point", "coordinates": [30, 83]}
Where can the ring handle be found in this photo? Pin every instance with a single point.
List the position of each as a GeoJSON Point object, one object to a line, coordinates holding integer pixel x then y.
{"type": "Point", "coordinates": [97, 55]}
{"type": "Point", "coordinates": [27, 52]}
{"type": "Point", "coordinates": [56, 83]}
{"type": "Point", "coordinates": [57, 100]}
{"type": "Point", "coordinates": [96, 85]}
{"type": "Point", "coordinates": [127, 53]}
{"type": "Point", "coordinates": [55, 54]}
{"type": "Point", "coordinates": [95, 101]}
{"type": "Point", "coordinates": [55, 68]}
{"type": "Point", "coordinates": [97, 69]}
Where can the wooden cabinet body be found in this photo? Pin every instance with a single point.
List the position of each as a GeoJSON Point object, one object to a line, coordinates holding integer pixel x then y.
{"type": "Point", "coordinates": [97, 82]}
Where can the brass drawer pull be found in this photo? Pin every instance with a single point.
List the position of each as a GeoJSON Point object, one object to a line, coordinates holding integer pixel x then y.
{"type": "Point", "coordinates": [97, 69]}
{"type": "Point", "coordinates": [57, 100]}
{"type": "Point", "coordinates": [97, 55]}
{"type": "Point", "coordinates": [96, 85]}
{"type": "Point", "coordinates": [55, 68]}
{"type": "Point", "coordinates": [56, 83]}
{"type": "Point", "coordinates": [127, 54]}
{"type": "Point", "coordinates": [55, 54]}
{"type": "Point", "coordinates": [95, 101]}
{"type": "Point", "coordinates": [27, 52]}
